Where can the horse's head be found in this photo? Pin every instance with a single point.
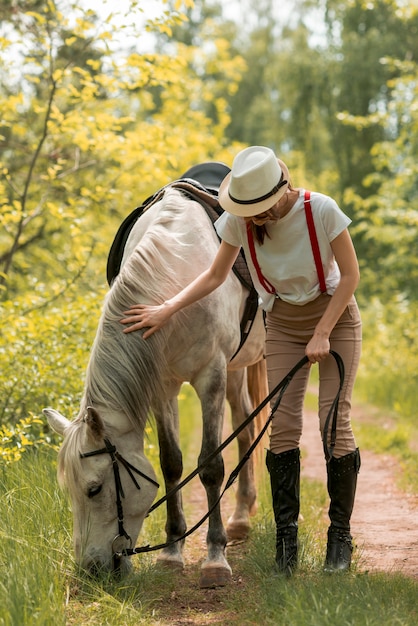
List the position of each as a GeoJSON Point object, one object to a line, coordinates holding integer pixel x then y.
{"type": "Point", "coordinates": [111, 485]}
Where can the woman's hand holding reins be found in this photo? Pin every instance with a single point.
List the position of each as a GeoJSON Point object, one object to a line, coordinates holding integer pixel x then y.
{"type": "Point", "coordinates": [318, 348]}
{"type": "Point", "coordinates": [151, 317]}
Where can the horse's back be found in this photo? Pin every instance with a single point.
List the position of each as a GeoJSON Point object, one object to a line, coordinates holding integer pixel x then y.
{"type": "Point", "coordinates": [176, 242]}
{"type": "Point", "coordinates": [183, 223]}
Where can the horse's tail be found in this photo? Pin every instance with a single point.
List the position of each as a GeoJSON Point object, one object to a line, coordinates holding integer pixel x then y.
{"type": "Point", "coordinates": [258, 390]}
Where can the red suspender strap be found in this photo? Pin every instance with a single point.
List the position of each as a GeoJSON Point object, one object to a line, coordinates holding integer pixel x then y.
{"type": "Point", "coordinates": [263, 281]}
{"type": "Point", "coordinates": [315, 250]}
{"type": "Point", "coordinates": [314, 242]}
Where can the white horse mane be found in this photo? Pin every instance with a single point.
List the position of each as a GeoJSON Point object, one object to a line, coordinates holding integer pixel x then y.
{"type": "Point", "coordinates": [69, 473]}
{"type": "Point", "coordinates": [120, 363]}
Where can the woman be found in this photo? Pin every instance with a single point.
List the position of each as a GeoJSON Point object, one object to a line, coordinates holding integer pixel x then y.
{"type": "Point", "coordinates": [306, 277]}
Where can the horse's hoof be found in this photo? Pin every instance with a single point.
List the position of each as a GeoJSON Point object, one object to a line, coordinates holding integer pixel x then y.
{"type": "Point", "coordinates": [170, 566]}
{"type": "Point", "coordinates": [212, 577]}
{"type": "Point", "coordinates": [175, 564]}
{"type": "Point", "coordinates": [237, 531]}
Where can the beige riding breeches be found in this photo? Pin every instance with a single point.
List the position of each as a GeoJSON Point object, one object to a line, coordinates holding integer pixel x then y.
{"type": "Point", "coordinates": [289, 329]}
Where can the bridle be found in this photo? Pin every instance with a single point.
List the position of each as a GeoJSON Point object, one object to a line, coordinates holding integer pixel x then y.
{"type": "Point", "coordinates": [280, 388]}
{"type": "Point", "coordinates": [116, 459]}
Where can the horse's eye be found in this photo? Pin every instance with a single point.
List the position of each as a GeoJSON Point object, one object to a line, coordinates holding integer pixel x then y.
{"type": "Point", "coordinates": [93, 491]}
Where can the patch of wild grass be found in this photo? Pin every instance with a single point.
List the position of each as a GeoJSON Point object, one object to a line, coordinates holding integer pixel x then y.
{"type": "Point", "coordinates": [35, 544]}
{"type": "Point", "coordinates": [40, 583]}
{"type": "Point", "coordinates": [310, 597]}
{"type": "Point", "coordinates": [108, 601]}
{"type": "Point", "coordinates": [387, 378]}
{"type": "Point", "coordinates": [387, 433]}
{"type": "Point", "coordinates": [320, 600]}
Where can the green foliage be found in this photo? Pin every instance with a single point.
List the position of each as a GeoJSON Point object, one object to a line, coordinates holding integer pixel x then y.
{"type": "Point", "coordinates": [15, 440]}
{"type": "Point", "coordinates": [313, 72]}
{"type": "Point", "coordinates": [44, 352]}
{"type": "Point", "coordinates": [35, 543]}
{"type": "Point", "coordinates": [388, 373]}
{"type": "Point", "coordinates": [387, 221]}
{"type": "Point", "coordinates": [359, 79]}
{"type": "Point", "coordinates": [87, 134]}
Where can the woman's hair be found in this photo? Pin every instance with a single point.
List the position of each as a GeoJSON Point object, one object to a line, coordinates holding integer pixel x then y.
{"type": "Point", "coordinates": [260, 231]}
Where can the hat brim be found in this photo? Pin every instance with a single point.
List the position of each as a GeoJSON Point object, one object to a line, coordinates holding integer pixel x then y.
{"type": "Point", "coordinates": [249, 210]}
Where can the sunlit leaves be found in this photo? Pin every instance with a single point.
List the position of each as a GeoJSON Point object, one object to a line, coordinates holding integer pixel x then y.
{"type": "Point", "coordinates": [83, 118]}
{"type": "Point", "coordinates": [44, 352]}
{"type": "Point", "coordinates": [17, 439]}
{"type": "Point", "coordinates": [388, 218]}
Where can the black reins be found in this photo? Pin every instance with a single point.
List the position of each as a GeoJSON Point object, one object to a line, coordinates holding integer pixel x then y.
{"type": "Point", "coordinates": [116, 457]}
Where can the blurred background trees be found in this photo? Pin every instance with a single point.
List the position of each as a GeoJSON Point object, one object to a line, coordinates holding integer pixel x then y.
{"type": "Point", "coordinates": [102, 105]}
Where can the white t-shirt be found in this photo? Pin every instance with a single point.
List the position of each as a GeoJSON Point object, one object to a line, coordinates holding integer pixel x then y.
{"type": "Point", "coordinates": [286, 258]}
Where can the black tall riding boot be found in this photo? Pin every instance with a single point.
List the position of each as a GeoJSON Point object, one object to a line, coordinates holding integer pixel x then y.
{"type": "Point", "coordinates": [342, 483]}
{"type": "Point", "coordinates": [284, 470]}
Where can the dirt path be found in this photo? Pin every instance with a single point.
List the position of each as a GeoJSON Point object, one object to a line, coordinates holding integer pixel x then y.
{"type": "Point", "coordinates": [385, 520]}
{"type": "Point", "coordinates": [384, 526]}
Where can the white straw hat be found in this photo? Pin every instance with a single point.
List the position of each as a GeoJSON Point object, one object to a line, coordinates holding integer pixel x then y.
{"type": "Point", "coordinates": [255, 183]}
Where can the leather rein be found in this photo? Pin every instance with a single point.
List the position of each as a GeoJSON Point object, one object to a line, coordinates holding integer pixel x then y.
{"type": "Point", "coordinates": [119, 551]}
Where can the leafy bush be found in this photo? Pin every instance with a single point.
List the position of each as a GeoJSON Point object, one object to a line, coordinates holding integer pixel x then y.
{"type": "Point", "coordinates": [388, 374]}
{"type": "Point", "coordinates": [44, 353]}
{"type": "Point", "coordinates": [15, 440]}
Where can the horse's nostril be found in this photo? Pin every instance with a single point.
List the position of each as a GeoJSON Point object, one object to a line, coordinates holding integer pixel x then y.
{"type": "Point", "coordinates": [95, 568]}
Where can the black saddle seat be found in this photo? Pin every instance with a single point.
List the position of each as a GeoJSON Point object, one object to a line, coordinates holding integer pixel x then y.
{"type": "Point", "coordinates": [209, 174]}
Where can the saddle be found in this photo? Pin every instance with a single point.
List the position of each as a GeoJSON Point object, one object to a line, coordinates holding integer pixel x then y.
{"type": "Point", "coordinates": [201, 184]}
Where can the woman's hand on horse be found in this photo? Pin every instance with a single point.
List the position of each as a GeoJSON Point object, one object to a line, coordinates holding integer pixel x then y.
{"type": "Point", "coordinates": [151, 317]}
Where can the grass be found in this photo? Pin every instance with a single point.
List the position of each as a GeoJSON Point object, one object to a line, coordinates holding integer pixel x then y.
{"type": "Point", "coordinates": [312, 598]}
{"type": "Point", "coordinates": [386, 432]}
{"type": "Point", "coordinates": [319, 601]}
{"type": "Point", "coordinates": [41, 585]}
{"type": "Point", "coordinates": [35, 545]}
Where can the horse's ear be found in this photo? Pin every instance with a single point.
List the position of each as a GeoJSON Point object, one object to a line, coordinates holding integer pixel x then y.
{"type": "Point", "coordinates": [95, 423]}
{"type": "Point", "coordinates": [58, 422]}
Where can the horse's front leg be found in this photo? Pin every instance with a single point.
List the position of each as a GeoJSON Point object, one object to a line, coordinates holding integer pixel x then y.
{"type": "Point", "coordinates": [240, 402]}
{"type": "Point", "coordinates": [171, 462]}
{"type": "Point", "coordinates": [211, 388]}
